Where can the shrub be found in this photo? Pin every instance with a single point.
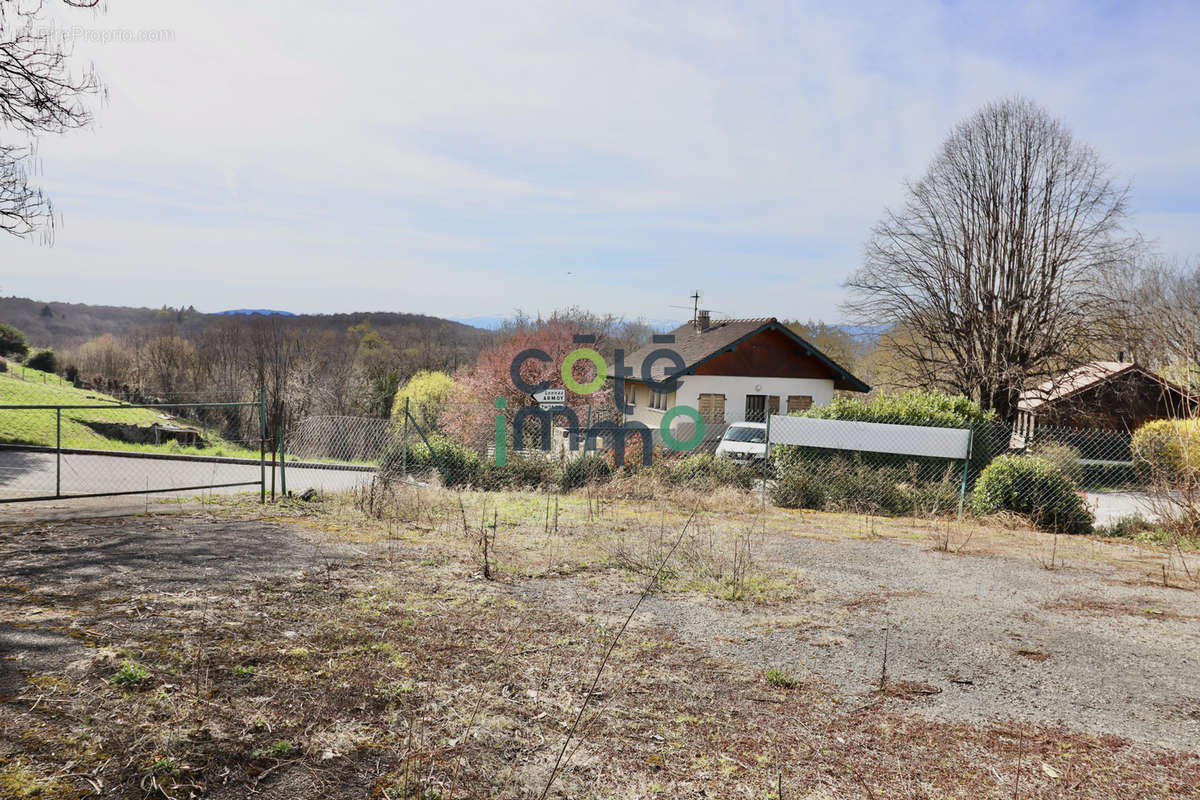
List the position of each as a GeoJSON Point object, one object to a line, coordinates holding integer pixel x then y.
{"type": "Point", "coordinates": [427, 394]}
{"type": "Point", "coordinates": [798, 488]}
{"type": "Point", "coordinates": [1061, 455]}
{"type": "Point", "coordinates": [43, 359]}
{"type": "Point", "coordinates": [1168, 450]}
{"type": "Point", "coordinates": [704, 471]}
{"type": "Point", "coordinates": [3, 365]}
{"type": "Point", "coordinates": [584, 469]}
{"type": "Point", "coordinates": [12, 341]}
{"type": "Point", "coordinates": [456, 465]}
{"type": "Point", "coordinates": [1035, 488]}
{"type": "Point", "coordinates": [1132, 526]}
{"type": "Point", "coordinates": [842, 482]}
{"type": "Point", "coordinates": [520, 472]}
{"type": "Point", "coordinates": [930, 408]}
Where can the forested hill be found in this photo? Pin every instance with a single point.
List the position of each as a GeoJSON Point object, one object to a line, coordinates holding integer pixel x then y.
{"type": "Point", "coordinates": [64, 325]}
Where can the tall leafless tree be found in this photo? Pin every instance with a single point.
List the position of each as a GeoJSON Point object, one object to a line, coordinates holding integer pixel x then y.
{"type": "Point", "coordinates": [991, 274]}
{"type": "Point", "coordinates": [1157, 305]}
{"type": "Point", "coordinates": [39, 94]}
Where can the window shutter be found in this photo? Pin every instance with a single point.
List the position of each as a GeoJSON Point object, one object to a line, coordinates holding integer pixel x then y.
{"type": "Point", "coordinates": [799, 402]}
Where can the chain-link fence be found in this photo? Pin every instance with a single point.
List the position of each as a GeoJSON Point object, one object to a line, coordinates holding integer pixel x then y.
{"type": "Point", "coordinates": [100, 449]}
{"type": "Point", "coordinates": [1059, 478]}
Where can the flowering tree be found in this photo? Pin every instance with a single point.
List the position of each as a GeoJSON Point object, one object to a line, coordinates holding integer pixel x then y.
{"type": "Point", "coordinates": [469, 417]}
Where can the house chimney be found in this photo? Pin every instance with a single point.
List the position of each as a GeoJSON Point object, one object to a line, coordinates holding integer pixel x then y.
{"type": "Point", "coordinates": [703, 319]}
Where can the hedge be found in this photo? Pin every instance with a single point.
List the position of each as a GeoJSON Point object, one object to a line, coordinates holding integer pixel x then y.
{"type": "Point", "coordinates": [847, 482]}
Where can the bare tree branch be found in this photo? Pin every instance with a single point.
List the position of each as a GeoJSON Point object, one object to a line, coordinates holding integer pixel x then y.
{"type": "Point", "coordinates": [39, 94]}
{"type": "Point", "coordinates": [991, 273]}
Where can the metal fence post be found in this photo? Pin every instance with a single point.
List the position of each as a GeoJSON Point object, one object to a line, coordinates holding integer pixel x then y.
{"type": "Point", "coordinates": [282, 463]}
{"type": "Point", "coordinates": [766, 456]}
{"type": "Point", "coordinates": [262, 445]}
{"type": "Point", "coordinates": [962, 495]}
{"type": "Point", "coordinates": [404, 442]}
{"type": "Point", "coordinates": [58, 452]}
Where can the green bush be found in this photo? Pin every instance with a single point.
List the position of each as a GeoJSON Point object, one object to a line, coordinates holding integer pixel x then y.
{"type": "Point", "coordinates": [12, 341]}
{"type": "Point", "coordinates": [933, 409]}
{"type": "Point", "coordinates": [1168, 450]}
{"type": "Point", "coordinates": [584, 469]}
{"type": "Point", "coordinates": [519, 472]}
{"type": "Point", "coordinates": [707, 472]}
{"type": "Point", "coordinates": [1035, 488]}
{"type": "Point", "coordinates": [456, 465]}
{"type": "Point", "coordinates": [1133, 526]}
{"type": "Point", "coordinates": [1061, 455]}
{"type": "Point", "coordinates": [798, 488]}
{"type": "Point", "coordinates": [850, 483]}
{"type": "Point", "coordinates": [43, 359]}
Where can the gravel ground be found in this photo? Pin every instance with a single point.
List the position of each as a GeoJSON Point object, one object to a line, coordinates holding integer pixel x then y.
{"type": "Point", "coordinates": [83, 562]}
{"type": "Point", "coordinates": [980, 637]}
{"type": "Point", "coordinates": [1093, 646]}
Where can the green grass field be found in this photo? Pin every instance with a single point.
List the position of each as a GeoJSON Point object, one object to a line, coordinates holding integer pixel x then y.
{"type": "Point", "coordinates": [37, 427]}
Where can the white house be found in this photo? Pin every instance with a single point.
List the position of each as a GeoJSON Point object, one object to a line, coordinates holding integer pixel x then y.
{"type": "Point", "coordinates": [734, 370]}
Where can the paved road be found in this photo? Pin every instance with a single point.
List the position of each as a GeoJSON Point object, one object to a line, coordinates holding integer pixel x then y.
{"type": "Point", "coordinates": [29, 474]}
{"type": "Point", "coordinates": [1108, 507]}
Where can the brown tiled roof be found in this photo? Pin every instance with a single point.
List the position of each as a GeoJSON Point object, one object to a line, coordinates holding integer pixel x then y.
{"type": "Point", "coordinates": [1079, 379]}
{"type": "Point", "coordinates": [695, 347]}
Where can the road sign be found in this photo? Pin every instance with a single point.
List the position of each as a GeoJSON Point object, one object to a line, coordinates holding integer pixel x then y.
{"type": "Point", "coordinates": [551, 398]}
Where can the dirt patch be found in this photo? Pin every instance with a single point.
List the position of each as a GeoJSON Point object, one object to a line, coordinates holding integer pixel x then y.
{"type": "Point", "coordinates": [265, 658]}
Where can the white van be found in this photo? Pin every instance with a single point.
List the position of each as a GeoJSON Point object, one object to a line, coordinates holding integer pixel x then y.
{"type": "Point", "coordinates": [744, 442]}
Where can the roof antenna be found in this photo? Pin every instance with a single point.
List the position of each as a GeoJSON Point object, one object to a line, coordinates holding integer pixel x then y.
{"type": "Point", "coordinates": [695, 305]}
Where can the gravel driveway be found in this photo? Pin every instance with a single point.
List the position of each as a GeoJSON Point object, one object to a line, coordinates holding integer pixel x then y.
{"type": "Point", "coordinates": [978, 637]}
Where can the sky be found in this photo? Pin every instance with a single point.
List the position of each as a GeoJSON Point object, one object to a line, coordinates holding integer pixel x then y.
{"type": "Point", "coordinates": [469, 159]}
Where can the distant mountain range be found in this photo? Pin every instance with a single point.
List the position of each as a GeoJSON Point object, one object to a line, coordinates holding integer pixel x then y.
{"type": "Point", "coordinates": [62, 325]}
{"type": "Point", "coordinates": [495, 321]}
{"type": "Point", "coordinates": [266, 312]}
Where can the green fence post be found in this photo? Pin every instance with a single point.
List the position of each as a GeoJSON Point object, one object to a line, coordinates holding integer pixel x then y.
{"type": "Point", "coordinates": [962, 495]}
{"type": "Point", "coordinates": [58, 452]}
{"type": "Point", "coordinates": [262, 445]}
{"type": "Point", "coordinates": [404, 441]}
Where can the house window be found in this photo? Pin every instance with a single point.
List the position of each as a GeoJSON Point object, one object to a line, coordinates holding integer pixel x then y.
{"type": "Point", "coordinates": [712, 408]}
{"type": "Point", "coordinates": [658, 400]}
{"type": "Point", "coordinates": [756, 408]}
{"type": "Point", "coordinates": [631, 395]}
{"type": "Point", "coordinates": [799, 402]}
{"type": "Point", "coordinates": [773, 404]}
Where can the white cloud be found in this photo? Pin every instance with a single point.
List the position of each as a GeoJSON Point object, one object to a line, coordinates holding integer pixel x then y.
{"type": "Point", "coordinates": [412, 156]}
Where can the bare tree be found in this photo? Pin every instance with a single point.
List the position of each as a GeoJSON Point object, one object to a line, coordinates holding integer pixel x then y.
{"type": "Point", "coordinates": [1169, 319]}
{"type": "Point", "coordinates": [38, 94]}
{"type": "Point", "coordinates": [991, 274]}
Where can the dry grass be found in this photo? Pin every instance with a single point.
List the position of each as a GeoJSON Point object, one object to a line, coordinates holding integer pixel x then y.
{"type": "Point", "coordinates": [411, 676]}
{"type": "Point", "coordinates": [413, 679]}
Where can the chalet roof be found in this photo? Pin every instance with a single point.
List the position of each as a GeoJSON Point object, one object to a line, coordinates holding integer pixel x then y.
{"type": "Point", "coordinates": [696, 347]}
{"type": "Point", "coordinates": [1083, 378]}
